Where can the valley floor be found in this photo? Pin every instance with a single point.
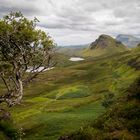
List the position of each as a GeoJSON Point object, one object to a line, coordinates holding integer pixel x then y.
{"type": "Point", "coordinates": [67, 98]}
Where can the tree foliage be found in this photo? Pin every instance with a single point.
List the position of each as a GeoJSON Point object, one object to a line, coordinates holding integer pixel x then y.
{"type": "Point", "coordinates": [22, 46]}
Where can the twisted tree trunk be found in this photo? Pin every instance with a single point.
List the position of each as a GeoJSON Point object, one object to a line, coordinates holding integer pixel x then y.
{"type": "Point", "coordinates": [20, 92]}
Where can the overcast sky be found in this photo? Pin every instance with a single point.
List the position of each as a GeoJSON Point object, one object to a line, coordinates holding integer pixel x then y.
{"type": "Point", "coordinates": [72, 22]}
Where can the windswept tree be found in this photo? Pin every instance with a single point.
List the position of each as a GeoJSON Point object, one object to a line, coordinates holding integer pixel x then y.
{"type": "Point", "coordinates": [22, 46]}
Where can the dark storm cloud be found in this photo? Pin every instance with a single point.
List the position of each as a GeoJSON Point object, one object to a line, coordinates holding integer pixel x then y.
{"type": "Point", "coordinates": [68, 19]}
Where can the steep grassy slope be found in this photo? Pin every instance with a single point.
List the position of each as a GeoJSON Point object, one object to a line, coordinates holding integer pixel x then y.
{"type": "Point", "coordinates": [66, 98]}
{"type": "Point", "coordinates": [121, 121]}
{"type": "Point", "coordinates": [100, 52]}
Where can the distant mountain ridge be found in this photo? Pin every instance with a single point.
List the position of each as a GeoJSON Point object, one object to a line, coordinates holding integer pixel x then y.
{"type": "Point", "coordinates": [72, 50]}
{"type": "Point", "coordinates": [128, 40]}
{"type": "Point", "coordinates": [80, 46]}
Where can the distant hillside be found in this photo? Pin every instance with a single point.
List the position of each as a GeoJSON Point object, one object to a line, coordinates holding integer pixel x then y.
{"type": "Point", "coordinates": [105, 42]}
{"type": "Point", "coordinates": [71, 50]}
{"type": "Point", "coordinates": [80, 46]}
{"type": "Point", "coordinates": [137, 48]}
{"type": "Point", "coordinates": [128, 40]}
{"type": "Point", "coordinates": [104, 45]}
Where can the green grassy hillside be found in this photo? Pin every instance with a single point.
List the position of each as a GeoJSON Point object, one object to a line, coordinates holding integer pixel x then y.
{"type": "Point", "coordinates": [67, 98]}
{"type": "Point", "coordinates": [120, 122]}
{"type": "Point", "coordinates": [100, 52]}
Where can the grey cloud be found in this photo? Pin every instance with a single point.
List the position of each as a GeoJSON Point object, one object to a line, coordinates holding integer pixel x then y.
{"type": "Point", "coordinates": [85, 16]}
